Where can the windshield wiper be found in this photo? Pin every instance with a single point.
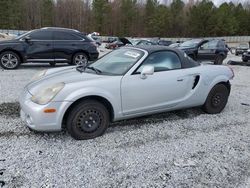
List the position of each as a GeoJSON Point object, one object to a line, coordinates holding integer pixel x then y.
{"type": "Point", "coordinates": [94, 69]}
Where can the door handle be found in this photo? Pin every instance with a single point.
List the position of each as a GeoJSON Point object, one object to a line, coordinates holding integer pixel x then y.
{"type": "Point", "coordinates": [180, 80]}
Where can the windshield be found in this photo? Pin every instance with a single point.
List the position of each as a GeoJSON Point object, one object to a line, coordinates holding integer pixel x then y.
{"type": "Point", "coordinates": [24, 34]}
{"type": "Point", "coordinates": [191, 43]}
{"type": "Point", "coordinates": [117, 62]}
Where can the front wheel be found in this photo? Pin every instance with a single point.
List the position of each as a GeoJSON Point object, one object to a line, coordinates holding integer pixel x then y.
{"type": "Point", "coordinates": [9, 60]}
{"type": "Point", "coordinates": [88, 119]}
{"type": "Point", "coordinates": [217, 99]}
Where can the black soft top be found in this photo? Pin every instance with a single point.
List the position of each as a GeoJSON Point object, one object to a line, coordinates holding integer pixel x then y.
{"type": "Point", "coordinates": [186, 61]}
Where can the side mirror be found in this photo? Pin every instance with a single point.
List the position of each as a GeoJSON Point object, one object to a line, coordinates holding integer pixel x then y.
{"type": "Point", "coordinates": [147, 70]}
{"type": "Point", "coordinates": [27, 38]}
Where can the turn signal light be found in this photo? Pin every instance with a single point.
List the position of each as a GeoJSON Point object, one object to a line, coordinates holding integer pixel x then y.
{"type": "Point", "coordinates": [49, 110]}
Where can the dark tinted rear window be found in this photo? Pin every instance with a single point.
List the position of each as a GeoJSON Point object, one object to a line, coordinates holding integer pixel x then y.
{"type": "Point", "coordinates": [60, 35]}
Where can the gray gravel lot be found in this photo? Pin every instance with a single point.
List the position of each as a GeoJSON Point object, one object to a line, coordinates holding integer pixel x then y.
{"type": "Point", "coordinates": [186, 148]}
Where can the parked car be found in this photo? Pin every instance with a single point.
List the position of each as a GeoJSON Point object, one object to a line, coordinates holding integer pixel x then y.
{"type": "Point", "coordinates": [121, 41]}
{"type": "Point", "coordinates": [128, 82]}
{"type": "Point", "coordinates": [164, 42]}
{"type": "Point", "coordinates": [214, 50]}
{"type": "Point", "coordinates": [243, 47]}
{"type": "Point", "coordinates": [110, 39]}
{"type": "Point", "coordinates": [48, 45]}
{"type": "Point", "coordinates": [95, 37]}
{"type": "Point", "coordinates": [246, 56]}
{"type": "Point", "coordinates": [175, 45]}
{"type": "Point", "coordinates": [137, 42]}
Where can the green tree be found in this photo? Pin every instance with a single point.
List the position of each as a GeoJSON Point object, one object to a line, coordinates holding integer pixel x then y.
{"type": "Point", "coordinates": [201, 19]}
{"type": "Point", "coordinates": [100, 12]}
{"type": "Point", "coordinates": [177, 18]}
{"type": "Point", "coordinates": [47, 12]}
{"type": "Point", "coordinates": [150, 9]}
{"type": "Point", "coordinates": [128, 13]}
{"type": "Point", "coordinates": [226, 23]}
{"type": "Point", "coordinates": [160, 21]}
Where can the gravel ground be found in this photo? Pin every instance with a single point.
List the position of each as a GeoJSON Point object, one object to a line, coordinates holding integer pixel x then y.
{"type": "Point", "coordinates": [186, 148]}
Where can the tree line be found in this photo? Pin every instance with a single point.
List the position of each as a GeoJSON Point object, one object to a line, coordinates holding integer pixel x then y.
{"type": "Point", "coordinates": [143, 18]}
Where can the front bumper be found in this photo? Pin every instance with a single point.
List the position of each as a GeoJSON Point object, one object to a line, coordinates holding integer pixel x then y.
{"type": "Point", "coordinates": [34, 116]}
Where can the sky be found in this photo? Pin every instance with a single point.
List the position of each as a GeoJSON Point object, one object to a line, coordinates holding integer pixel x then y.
{"type": "Point", "coordinates": [217, 2]}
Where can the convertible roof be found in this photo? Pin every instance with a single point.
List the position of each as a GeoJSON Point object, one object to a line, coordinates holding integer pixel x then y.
{"type": "Point", "coordinates": [186, 62]}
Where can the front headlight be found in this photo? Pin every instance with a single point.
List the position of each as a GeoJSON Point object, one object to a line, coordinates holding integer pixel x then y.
{"type": "Point", "coordinates": [38, 75]}
{"type": "Point", "coordinates": [46, 94]}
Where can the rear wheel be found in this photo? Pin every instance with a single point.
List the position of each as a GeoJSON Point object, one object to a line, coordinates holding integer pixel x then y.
{"type": "Point", "coordinates": [217, 99]}
{"type": "Point", "coordinates": [79, 58]}
{"type": "Point", "coordinates": [9, 60]}
{"type": "Point", "coordinates": [219, 60]}
{"type": "Point", "coordinates": [87, 120]}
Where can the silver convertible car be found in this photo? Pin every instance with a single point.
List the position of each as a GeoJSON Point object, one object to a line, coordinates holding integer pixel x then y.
{"type": "Point", "coordinates": [126, 83]}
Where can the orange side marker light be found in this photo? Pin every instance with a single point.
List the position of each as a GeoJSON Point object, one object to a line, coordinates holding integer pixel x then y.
{"type": "Point", "coordinates": [49, 110]}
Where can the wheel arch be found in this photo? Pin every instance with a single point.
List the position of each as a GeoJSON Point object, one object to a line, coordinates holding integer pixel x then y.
{"type": "Point", "coordinates": [225, 83]}
{"type": "Point", "coordinates": [15, 51]}
{"type": "Point", "coordinates": [100, 99]}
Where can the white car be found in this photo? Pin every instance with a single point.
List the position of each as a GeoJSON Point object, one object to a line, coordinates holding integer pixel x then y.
{"type": "Point", "coordinates": [126, 83]}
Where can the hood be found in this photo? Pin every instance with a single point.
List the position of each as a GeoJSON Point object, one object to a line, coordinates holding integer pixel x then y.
{"type": "Point", "coordinates": [67, 75]}
{"type": "Point", "coordinates": [7, 41]}
{"type": "Point", "coordinates": [125, 41]}
{"type": "Point", "coordinates": [186, 48]}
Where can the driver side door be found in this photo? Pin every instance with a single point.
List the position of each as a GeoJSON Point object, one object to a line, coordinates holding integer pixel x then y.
{"type": "Point", "coordinates": [39, 47]}
{"type": "Point", "coordinates": [166, 88]}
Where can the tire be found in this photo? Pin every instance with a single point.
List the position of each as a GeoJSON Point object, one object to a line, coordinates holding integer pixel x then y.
{"type": "Point", "coordinates": [245, 60]}
{"type": "Point", "coordinates": [219, 60]}
{"type": "Point", "coordinates": [216, 99]}
{"type": "Point", "coordinates": [192, 56]}
{"type": "Point", "coordinates": [9, 60]}
{"type": "Point", "coordinates": [79, 58]}
{"type": "Point", "coordinates": [88, 119]}
{"type": "Point", "coordinates": [52, 64]}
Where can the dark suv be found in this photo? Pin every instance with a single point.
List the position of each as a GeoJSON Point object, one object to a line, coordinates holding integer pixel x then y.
{"type": "Point", "coordinates": [214, 50]}
{"type": "Point", "coordinates": [50, 45]}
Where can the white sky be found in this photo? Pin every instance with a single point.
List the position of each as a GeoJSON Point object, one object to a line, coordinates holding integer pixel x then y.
{"type": "Point", "coordinates": [216, 2]}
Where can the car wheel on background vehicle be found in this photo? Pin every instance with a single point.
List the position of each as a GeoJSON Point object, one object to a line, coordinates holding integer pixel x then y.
{"type": "Point", "coordinates": [193, 56]}
{"type": "Point", "coordinates": [79, 58]}
{"type": "Point", "coordinates": [52, 64]}
{"type": "Point", "coordinates": [217, 99]}
{"type": "Point", "coordinates": [87, 120]}
{"type": "Point", "coordinates": [219, 60]}
{"type": "Point", "coordinates": [9, 60]}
